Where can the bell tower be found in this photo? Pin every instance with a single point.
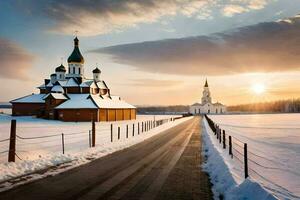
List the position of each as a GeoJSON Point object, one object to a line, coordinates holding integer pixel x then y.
{"type": "Point", "coordinates": [206, 98]}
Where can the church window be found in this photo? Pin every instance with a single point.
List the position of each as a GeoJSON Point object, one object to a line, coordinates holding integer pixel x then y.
{"type": "Point", "coordinates": [79, 71]}
{"type": "Point", "coordinates": [73, 70]}
{"type": "Point", "coordinates": [199, 111]}
{"type": "Point", "coordinates": [208, 111]}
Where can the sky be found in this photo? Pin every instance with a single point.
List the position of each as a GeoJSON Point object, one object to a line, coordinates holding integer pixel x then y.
{"type": "Point", "coordinates": [154, 52]}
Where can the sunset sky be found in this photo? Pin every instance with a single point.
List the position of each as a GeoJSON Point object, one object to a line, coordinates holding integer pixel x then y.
{"type": "Point", "coordinates": [154, 52]}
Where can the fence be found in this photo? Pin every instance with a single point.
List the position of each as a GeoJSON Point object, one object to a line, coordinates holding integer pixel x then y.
{"type": "Point", "coordinates": [59, 140]}
{"type": "Point", "coordinates": [249, 161]}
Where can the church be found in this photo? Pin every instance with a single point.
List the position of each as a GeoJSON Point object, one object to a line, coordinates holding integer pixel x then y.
{"type": "Point", "coordinates": [206, 106]}
{"type": "Point", "coordinates": [69, 96]}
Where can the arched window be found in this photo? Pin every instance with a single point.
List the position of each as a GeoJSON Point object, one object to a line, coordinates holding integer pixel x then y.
{"type": "Point", "coordinates": [199, 111]}
{"type": "Point", "coordinates": [79, 71]}
{"type": "Point", "coordinates": [73, 70]}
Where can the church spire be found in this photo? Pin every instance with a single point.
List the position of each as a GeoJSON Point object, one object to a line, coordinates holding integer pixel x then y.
{"type": "Point", "coordinates": [206, 84]}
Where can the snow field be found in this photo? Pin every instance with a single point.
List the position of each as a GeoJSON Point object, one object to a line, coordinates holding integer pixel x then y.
{"type": "Point", "coordinates": [225, 173]}
{"type": "Point", "coordinates": [41, 153]}
{"type": "Point", "coordinates": [273, 150]}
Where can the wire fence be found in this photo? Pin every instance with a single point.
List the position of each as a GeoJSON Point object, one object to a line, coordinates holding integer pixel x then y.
{"type": "Point", "coordinates": [248, 161]}
{"type": "Point", "coordinates": [59, 141]}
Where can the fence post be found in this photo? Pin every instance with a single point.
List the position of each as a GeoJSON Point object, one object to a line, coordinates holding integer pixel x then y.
{"type": "Point", "coordinates": [224, 140]}
{"type": "Point", "coordinates": [63, 142]}
{"type": "Point", "coordinates": [93, 134]}
{"type": "Point", "coordinates": [118, 132]}
{"type": "Point", "coordinates": [142, 127]}
{"type": "Point", "coordinates": [132, 129]}
{"type": "Point", "coordinates": [90, 139]}
{"type": "Point", "coordinates": [245, 160]}
{"type": "Point", "coordinates": [230, 147]}
{"type": "Point", "coordinates": [138, 128]}
{"type": "Point", "coordinates": [127, 131]}
{"type": "Point", "coordinates": [12, 141]}
{"type": "Point", "coordinates": [111, 132]}
{"type": "Point", "coordinates": [220, 136]}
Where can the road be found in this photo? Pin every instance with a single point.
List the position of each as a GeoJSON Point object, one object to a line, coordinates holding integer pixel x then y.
{"type": "Point", "coordinates": [166, 166]}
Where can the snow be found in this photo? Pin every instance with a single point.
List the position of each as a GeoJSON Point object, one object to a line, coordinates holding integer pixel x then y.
{"type": "Point", "coordinates": [56, 96]}
{"type": "Point", "coordinates": [38, 154]}
{"type": "Point", "coordinates": [114, 102]}
{"type": "Point", "coordinates": [33, 98]}
{"type": "Point", "coordinates": [57, 88]}
{"type": "Point", "coordinates": [221, 169]}
{"type": "Point", "coordinates": [101, 85]}
{"type": "Point", "coordinates": [77, 101]}
{"type": "Point", "coordinates": [275, 141]}
{"type": "Point", "coordinates": [71, 83]}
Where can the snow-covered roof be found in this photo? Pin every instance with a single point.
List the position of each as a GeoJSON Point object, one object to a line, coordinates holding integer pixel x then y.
{"type": "Point", "coordinates": [33, 98]}
{"type": "Point", "coordinates": [42, 86]}
{"type": "Point", "coordinates": [71, 83]}
{"type": "Point", "coordinates": [49, 84]}
{"type": "Point", "coordinates": [86, 84]}
{"type": "Point", "coordinates": [101, 85]}
{"type": "Point", "coordinates": [77, 101]}
{"type": "Point", "coordinates": [57, 88]}
{"type": "Point", "coordinates": [62, 82]}
{"type": "Point", "coordinates": [56, 96]}
{"type": "Point", "coordinates": [80, 101]}
{"type": "Point", "coordinates": [110, 103]}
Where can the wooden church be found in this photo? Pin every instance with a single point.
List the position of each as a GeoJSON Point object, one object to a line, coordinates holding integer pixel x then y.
{"type": "Point", "coordinates": [69, 96]}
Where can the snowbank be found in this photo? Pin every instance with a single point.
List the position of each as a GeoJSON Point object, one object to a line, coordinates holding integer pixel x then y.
{"type": "Point", "coordinates": [72, 159]}
{"type": "Point", "coordinates": [226, 184]}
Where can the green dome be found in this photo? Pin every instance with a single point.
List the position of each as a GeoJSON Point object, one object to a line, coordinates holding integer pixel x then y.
{"type": "Point", "coordinates": [60, 68]}
{"type": "Point", "coordinates": [76, 56]}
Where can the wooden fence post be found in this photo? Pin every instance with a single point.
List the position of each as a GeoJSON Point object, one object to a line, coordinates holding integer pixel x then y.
{"type": "Point", "coordinates": [90, 139]}
{"type": "Point", "coordinates": [63, 143]}
{"type": "Point", "coordinates": [220, 136]}
{"type": "Point", "coordinates": [111, 132]}
{"type": "Point", "coordinates": [12, 141]}
{"type": "Point", "coordinates": [224, 140]}
{"type": "Point", "coordinates": [245, 160]}
{"type": "Point", "coordinates": [127, 131]}
{"type": "Point", "coordinates": [138, 128]}
{"type": "Point", "coordinates": [132, 129]}
{"type": "Point", "coordinates": [118, 132]}
{"type": "Point", "coordinates": [93, 134]}
{"type": "Point", "coordinates": [230, 147]}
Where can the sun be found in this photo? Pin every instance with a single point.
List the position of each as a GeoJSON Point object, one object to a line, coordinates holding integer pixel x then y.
{"type": "Point", "coordinates": [258, 88]}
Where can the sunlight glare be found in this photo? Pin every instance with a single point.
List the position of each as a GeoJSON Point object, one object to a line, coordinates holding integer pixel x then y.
{"type": "Point", "coordinates": [258, 88]}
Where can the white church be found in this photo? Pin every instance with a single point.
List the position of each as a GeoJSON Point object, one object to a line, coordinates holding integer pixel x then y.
{"type": "Point", "coordinates": [206, 106]}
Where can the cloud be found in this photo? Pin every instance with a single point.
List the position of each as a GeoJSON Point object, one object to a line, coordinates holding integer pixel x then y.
{"type": "Point", "coordinates": [264, 47]}
{"type": "Point", "coordinates": [105, 16]}
{"type": "Point", "coordinates": [15, 60]}
{"type": "Point", "coordinates": [242, 6]}
{"type": "Point", "coordinates": [155, 83]}
{"type": "Point", "coordinates": [231, 10]}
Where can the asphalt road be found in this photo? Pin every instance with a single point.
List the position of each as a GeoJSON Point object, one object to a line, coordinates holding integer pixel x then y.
{"type": "Point", "coordinates": [166, 166]}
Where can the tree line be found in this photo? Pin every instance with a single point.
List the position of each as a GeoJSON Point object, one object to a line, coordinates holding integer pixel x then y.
{"type": "Point", "coordinates": [287, 106]}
